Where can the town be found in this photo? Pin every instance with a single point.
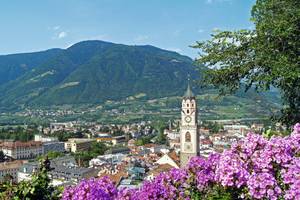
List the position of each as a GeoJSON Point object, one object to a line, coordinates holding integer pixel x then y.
{"type": "Point", "coordinates": [127, 153]}
{"type": "Point", "coordinates": [150, 100]}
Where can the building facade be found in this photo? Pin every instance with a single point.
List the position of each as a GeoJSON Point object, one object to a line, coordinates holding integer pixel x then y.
{"type": "Point", "coordinates": [21, 150]}
{"type": "Point", "coordinates": [78, 144]}
{"type": "Point", "coordinates": [43, 138]}
{"type": "Point", "coordinates": [64, 171]}
{"type": "Point", "coordinates": [10, 169]}
{"type": "Point", "coordinates": [189, 137]}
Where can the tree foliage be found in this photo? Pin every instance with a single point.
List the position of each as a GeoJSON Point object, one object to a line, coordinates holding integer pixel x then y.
{"type": "Point", "coordinates": [265, 57]}
{"type": "Point", "coordinates": [51, 155]}
{"type": "Point", "coordinates": [65, 135]}
{"type": "Point", "coordinates": [96, 149]}
{"type": "Point", "coordinates": [2, 156]}
{"type": "Point", "coordinates": [214, 127]}
{"type": "Point", "coordinates": [18, 133]}
{"type": "Point", "coordinates": [38, 188]}
{"type": "Point", "coordinates": [160, 126]}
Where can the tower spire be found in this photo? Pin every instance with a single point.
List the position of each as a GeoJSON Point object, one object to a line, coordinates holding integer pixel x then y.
{"type": "Point", "coordinates": [189, 93]}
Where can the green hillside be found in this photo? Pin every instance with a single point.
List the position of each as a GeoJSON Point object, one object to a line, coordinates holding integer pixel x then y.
{"type": "Point", "coordinates": [15, 65]}
{"type": "Point", "coordinates": [92, 72]}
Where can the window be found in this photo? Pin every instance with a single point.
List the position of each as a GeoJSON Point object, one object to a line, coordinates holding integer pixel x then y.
{"type": "Point", "coordinates": [187, 111]}
{"type": "Point", "coordinates": [188, 137]}
{"type": "Point", "coordinates": [187, 105]}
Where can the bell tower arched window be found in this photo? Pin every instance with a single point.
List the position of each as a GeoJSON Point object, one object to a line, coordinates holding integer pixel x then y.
{"type": "Point", "coordinates": [188, 137]}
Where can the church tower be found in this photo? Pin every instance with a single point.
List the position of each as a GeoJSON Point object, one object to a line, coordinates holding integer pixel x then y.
{"type": "Point", "coordinates": [189, 138]}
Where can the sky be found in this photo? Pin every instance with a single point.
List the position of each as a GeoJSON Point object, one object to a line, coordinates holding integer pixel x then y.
{"type": "Point", "coordinates": [35, 25]}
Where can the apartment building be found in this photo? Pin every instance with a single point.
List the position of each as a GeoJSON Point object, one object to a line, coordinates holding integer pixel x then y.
{"type": "Point", "coordinates": [78, 144]}
{"type": "Point", "coordinates": [10, 169]}
{"type": "Point", "coordinates": [21, 150]}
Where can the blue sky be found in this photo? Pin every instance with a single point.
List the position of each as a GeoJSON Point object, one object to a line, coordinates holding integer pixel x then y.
{"type": "Point", "coordinates": [34, 25]}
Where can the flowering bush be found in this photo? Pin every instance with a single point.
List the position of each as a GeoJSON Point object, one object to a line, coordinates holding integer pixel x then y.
{"type": "Point", "coordinates": [103, 189]}
{"type": "Point", "coordinates": [253, 168]}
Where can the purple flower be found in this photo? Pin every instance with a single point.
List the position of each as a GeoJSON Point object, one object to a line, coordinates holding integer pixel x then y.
{"type": "Point", "coordinates": [267, 169]}
{"type": "Point", "coordinates": [232, 170]}
{"type": "Point", "coordinates": [97, 189]}
{"type": "Point", "coordinates": [263, 185]}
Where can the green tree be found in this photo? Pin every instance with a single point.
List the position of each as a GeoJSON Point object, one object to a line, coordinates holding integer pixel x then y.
{"type": "Point", "coordinates": [38, 188]}
{"type": "Point", "coordinates": [213, 127]}
{"type": "Point", "coordinates": [2, 156]}
{"type": "Point", "coordinates": [96, 149]}
{"type": "Point", "coordinates": [51, 155]}
{"type": "Point", "coordinates": [265, 57]}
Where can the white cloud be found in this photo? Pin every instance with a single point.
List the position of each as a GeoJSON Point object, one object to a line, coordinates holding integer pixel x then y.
{"type": "Point", "coordinates": [200, 30]}
{"type": "Point", "coordinates": [61, 35]}
{"type": "Point", "coordinates": [56, 28]}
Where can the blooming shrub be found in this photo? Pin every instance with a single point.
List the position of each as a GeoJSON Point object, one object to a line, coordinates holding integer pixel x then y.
{"type": "Point", "coordinates": [103, 189]}
{"type": "Point", "coordinates": [253, 168]}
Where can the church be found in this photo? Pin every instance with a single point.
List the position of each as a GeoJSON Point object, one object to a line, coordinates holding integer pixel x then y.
{"type": "Point", "coordinates": [189, 137]}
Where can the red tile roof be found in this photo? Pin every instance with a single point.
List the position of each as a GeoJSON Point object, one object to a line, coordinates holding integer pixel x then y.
{"type": "Point", "coordinates": [16, 144]}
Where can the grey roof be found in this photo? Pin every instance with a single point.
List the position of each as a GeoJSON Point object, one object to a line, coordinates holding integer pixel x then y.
{"type": "Point", "coordinates": [134, 170]}
{"type": "Point", "coordinates": [189, 93]}
{"type": "Point", "coordinates": [123, 150]}
{"type": "Point", "coordinates": [65, 164]}
{"type": "Point", "coordinates": [72, 171]}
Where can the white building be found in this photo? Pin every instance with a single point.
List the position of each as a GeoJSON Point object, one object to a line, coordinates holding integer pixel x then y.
{"type": "Point", "coordinates": [22, 150]}
{"type": "Point", "coordinates": [154, 148]}
{"type": "Point", "coordinates": [60, 126]}
{"type": "Point", "coordinates": [107, 159]}
{"type": "Point", "coordinates": [170, 159]}
{"type": "Point", "coordinates": [233, 129]}
{"type": "Point", "coordinates": [172, 134]}
{"type": "Point", "coordinates": [10, 169]}
{"type": "Point", "coordinates": [43, 138]}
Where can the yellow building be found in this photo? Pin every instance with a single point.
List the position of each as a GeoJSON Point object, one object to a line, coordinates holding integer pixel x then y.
{"type": "Point", "coordinates": [78, 144]}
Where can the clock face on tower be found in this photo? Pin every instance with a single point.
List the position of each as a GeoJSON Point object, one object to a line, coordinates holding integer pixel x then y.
{"type": "Point", "coordinates": [187, 147]}
{"type": "Point", "coordinates": [188, 119]}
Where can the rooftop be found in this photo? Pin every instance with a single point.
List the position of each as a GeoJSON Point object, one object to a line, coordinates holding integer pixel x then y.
{"type": "Point", "coordinates": [15, 144]}
{"type": "Point", "coordinates": [161, 168]}
{"type": "Point", "coordinates": [10, 165]}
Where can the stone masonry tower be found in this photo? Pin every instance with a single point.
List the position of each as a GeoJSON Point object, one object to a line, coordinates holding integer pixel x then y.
{"type": "Point", "coordinates": [189, 138]}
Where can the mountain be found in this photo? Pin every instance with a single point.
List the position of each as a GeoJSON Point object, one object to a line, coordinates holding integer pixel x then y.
{"type": "Point", "coordinates": [91, 72]}
{"type": "Point", "coordinates": [15, 65]}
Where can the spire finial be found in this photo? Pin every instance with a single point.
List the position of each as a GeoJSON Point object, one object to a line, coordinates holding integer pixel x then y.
{"type": "Point", "coordinates": [189, 93]}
